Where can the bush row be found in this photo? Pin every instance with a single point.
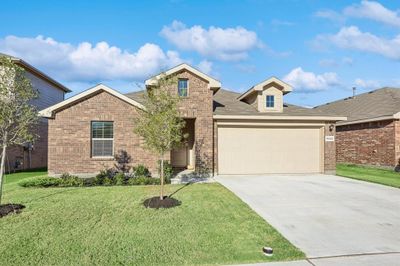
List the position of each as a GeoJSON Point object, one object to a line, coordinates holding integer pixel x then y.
{"type": "Point", "coordinates": [140, 175]}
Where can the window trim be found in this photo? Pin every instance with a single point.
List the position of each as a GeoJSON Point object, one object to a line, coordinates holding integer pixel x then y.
{"type": "Point", "coordinates": [187, 87]}
{"type": "Point", "coordinates": [93, 139]}
{"type": "Point", "coordinates": [266, 101]}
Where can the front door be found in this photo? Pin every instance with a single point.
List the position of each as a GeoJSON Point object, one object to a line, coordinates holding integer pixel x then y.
{"type": "Point", "coordinates": [179, 157]}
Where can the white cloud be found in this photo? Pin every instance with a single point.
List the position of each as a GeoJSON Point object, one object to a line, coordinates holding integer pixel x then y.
{"type": "Point", "coordinates": [331, 15]}
{"type": "Point", "coordinates": [366, 10]}
{"type": "Point", "coordinates": [229, 44]}
{"type": "Point", "coordinates": [366, 84]}
{"type": "Point", "coordinates": [352, 38]}
{"type": "Point", "coordinates": [309, 81]}
{"type": "Point", "coordinates": [374, 11]}
{"type": "Point", "coordinates": [205, 66]}
{"type": "Point", "coordinates": [86, 61]}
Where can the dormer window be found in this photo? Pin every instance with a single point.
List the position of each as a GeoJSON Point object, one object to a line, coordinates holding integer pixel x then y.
{"type": "Point", "coordinates": [183, 87]}
{"type": "Point", "coordinates": [270, 101]}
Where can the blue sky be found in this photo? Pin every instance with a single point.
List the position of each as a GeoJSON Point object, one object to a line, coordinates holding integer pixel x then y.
{"type": "Point", "coordinates": [322, 48]}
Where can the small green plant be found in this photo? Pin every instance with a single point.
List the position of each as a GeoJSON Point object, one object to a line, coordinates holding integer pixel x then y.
{"type": "Point", "coordinates": [141, 170]}
{"type": "Point", "coordinates": [40, 182]}
{"type": "Point", "coordinates": [143, 180]}
{"type": "Point", "coordinates": [68, 180]}
{"type": "Point", "coordinates": [100, 179]}
{"type": "Point", "coordinates": [120, 179]}
{"type": "Point", "coordinates": [108, 181]}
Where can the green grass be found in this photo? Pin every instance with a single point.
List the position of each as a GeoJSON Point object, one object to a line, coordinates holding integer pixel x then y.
{"type": "Point", "coordinates": [370, 174]}
{"type": "Point", "coordinates": [109, 226]}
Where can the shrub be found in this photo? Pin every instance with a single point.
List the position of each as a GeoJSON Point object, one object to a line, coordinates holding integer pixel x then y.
{"type": "Point", "coordinates": [120, 179]}
{"type": "Point", "coordinates": [143, 180]}
{"type": "Point", "coordinates": [141, 170]}
{"type": "Point", "coordinates": [102, 177]}
{"type": "Point", "coordinates": [108, 181]}
{"type": "Point", "coordinates": [68, 180]}
{"type": "Point", "coordinates": [123, 159]}
{"type": "Point", "coordinates": [40, 182]}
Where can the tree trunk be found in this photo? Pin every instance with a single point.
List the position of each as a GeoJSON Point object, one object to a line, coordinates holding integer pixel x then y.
{"type": "Point", "coordinates": [162, 178]}
{"type": "Point", "coordinates": [2, 165]}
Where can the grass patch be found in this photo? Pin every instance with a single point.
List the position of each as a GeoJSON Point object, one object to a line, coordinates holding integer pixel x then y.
{"type": "Point", "coordinates": [370, 174]}
{"type": "Point", "coordinates": [109, 226]}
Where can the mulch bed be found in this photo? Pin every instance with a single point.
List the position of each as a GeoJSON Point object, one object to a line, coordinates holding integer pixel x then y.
{"type": "Point", "coordinates": [156, 202]}
{"type": "Point", "coordinates": [6, 209]}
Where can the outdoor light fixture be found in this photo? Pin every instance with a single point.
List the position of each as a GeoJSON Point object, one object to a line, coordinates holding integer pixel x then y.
{"type": "Point", "coordinates": [331, 127]}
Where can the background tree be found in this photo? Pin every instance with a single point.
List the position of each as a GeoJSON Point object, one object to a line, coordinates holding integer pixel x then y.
{"type": "Point", "coordinates": [160, 124]}
{"type": "Point", "coordinates": [17, 116]}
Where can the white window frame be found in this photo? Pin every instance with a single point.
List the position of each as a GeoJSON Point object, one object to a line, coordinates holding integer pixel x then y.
{"type": "Point", "coordinates": [266, 101]}
{"type": "Point", "coordinates": [187, 88]}
{"type": "Point", "coordinates": [94, 139]}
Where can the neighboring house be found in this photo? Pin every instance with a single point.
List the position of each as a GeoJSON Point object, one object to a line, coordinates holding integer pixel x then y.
{"type": "Point", "coordinates": [229, 133]}
{"type": "Point", "coordinates": [371, 135]}
{"type": "Point", "coordinates": [50, 92]}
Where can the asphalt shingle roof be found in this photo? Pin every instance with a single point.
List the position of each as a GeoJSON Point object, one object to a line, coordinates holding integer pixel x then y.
{"type": "Point", "coordinates": [226, 103]}
{"type": "Point", "coordinates": [373, 104]}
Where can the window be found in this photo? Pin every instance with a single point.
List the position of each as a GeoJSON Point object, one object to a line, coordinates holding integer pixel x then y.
{"type": "Point", "coordinates": [183, 87]}
{"type": "Point", "coordinates": [270, 101]}
{"type": "Point", "coordinates": [102, 139]}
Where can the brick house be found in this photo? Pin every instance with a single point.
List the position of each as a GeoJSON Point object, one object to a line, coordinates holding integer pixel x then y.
{"type": "Point", "coordinates": [371, 135]}
{"type": "Point", "coordinates": [34, 155]}
{"type": "Point", "coordinates": [229, 133]}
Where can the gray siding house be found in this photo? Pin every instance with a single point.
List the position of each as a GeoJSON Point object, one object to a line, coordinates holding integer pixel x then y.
{"type": "Point", "coordinates": [51, 92]}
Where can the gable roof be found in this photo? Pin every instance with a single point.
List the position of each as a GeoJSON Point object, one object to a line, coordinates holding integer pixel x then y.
{"type": "Point", "coordinates": [50, 111]}
{"type": "Point", "coordinates": [37, 72]}
{"type": "Point", "coordinates": [286, 88]}
{"type": "Point", "coordinates": [227, 103]}
{"type": "Point", "coordinates": [213, 83]}
{"type": "Point", "coordinates": [376, 105]}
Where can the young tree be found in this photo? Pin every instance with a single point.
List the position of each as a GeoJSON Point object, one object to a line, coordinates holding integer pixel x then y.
{"type": "Point", "coordinates": [160, 124]}
{"type": "Point", "coordinates": [17, 116]}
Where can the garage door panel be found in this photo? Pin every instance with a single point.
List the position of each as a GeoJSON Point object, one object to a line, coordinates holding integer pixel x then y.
{"type": "Point", "coordinates": [251, 150]}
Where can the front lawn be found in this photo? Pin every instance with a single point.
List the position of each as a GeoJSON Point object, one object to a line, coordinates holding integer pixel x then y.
{"type": "Point", "coordinates": [370, 174]}
{"type": "Point", "coordinates": [109, 226]}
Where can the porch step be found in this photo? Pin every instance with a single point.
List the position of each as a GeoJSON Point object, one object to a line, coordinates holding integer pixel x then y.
{"type": "Point", "coordinates": [189, 176]}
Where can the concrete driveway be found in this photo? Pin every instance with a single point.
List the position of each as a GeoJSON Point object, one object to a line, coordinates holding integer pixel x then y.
{"type": "Point", "coordinates": [324, 215]}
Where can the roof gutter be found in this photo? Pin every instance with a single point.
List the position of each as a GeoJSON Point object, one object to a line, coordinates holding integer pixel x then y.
{"type": "Point", "coordinates": [270, 117]}
{"type": "Point", "coordinates": [374, 119]}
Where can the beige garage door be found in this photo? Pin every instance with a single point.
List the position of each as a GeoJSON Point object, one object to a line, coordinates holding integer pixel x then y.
{"type": "Point", "coordinates": [263, 150]}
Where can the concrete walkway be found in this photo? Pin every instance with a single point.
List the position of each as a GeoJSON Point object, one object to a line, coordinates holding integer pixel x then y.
{"type": "Point", "coordinates": [363, 260]}
{"type": "Point", "coordinates": [330, 218]}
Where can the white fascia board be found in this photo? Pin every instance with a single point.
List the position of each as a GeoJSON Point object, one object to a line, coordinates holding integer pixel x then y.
{"type": "Point", "coordinates": [49, 112]}
{"type": "Point", "coordinates": [266, 117]}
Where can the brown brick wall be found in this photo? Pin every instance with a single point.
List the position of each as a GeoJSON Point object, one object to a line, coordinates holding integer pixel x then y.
{"type": "Point", "coordinates": [329, 150]}
{"type": "Point", "coordinates": [70, 142]}
{"type": "Point", "coordinates": [199, 105]}
{"type": "Point", "coordinates": [397, 142]}
{"type": "Point", "coordinates": [368, 143]}
{"type": "Point", "coordinates": [69, 132]}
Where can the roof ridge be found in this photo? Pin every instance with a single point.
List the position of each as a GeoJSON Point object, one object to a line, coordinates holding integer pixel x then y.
{"type": "Point", "coordinates": [357, 95]}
